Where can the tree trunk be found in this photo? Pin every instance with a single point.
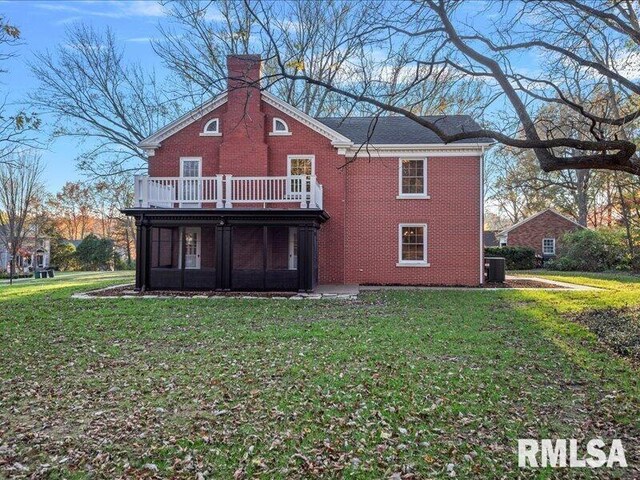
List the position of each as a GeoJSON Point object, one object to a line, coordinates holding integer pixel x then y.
{"type": "Point", "coordinates": [12, 267]}
{"type": "Point", "coordinates": [582, 179]}
{"type": "Point", "coordinates": [626, 219]}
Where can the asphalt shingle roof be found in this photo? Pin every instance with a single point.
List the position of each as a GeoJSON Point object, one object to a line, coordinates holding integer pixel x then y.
{"type": "Point", "coordinates": [398, 130]}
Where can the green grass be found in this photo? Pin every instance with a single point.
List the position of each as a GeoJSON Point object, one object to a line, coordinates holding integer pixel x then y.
{"type": "Point", "coordinates": [397, 382]}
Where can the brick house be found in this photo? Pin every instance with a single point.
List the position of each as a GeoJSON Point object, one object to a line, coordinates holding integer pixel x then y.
{"type": "Point", "coordinates": [542, 231]}
{"type": "Point", "coordinates": [248, 193]}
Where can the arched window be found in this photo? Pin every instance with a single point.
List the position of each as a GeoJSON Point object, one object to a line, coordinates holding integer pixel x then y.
{"type": "Point", "coordinates": [280, 127]}
{"type": "Point", "coordinates": [212, 128]}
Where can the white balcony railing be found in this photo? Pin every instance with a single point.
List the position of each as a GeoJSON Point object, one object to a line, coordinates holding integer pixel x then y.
{"type": "Point", "coordinates": [223, 191]}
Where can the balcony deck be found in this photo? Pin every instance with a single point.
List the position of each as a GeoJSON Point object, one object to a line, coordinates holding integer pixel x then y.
{"type": "Point", "coordinates": [228, 191]}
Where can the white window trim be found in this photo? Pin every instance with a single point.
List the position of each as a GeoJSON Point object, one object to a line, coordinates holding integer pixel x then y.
{"type": "Point", "coordinates": [554, 246]}
{"type": "Point", "coordinates": [217, 132]}
{"type": "Point", "coordinates": [198, 249]}
{"type": "Point", "coordinates": [279, 133]}
{"type": "Point", "coordinates": [413, 263]}
{"type": "Point", "coordinates": [190, 159]}
{"type": "Point", "coordinates": [425, 176]}
{"type": "Point", "coordinates": [301, 157]}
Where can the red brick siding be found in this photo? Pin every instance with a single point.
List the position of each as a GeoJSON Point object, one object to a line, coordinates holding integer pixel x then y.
{"type": "Point", "coordinates": [359, 243]}
{"type": "Point", "coordinates": [546, 225]}
{"type": "Point", "coordinates": [452, 216]}
{"type": "Point", "coordinates": [304, 141]}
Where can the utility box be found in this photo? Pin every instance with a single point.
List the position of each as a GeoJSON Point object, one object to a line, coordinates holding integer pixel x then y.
{"type": "Point", "coordinates": [494, 268]}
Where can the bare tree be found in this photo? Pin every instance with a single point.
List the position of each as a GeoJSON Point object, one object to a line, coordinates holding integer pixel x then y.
{"type": "Point", "coordinates": [16, 127]}
{"type": "Point", "coordinates": [204, 33]}
{"type": "Point", "coordinates": [100, 100]}
{"type": "Point", "coordinates": [436, 36]}
{"type": "Point", "coordinates": [73, 210]}
{"type": "Point", "coordinates": [19, 184]}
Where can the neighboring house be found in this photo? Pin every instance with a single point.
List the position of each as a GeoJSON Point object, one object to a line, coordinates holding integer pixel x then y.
{"type": "Point", "coordinates": [34, 254]}
{"type": "Point", "coordinates": [248, 193]}
{"type": "Point", "coordinates": [542, 231]}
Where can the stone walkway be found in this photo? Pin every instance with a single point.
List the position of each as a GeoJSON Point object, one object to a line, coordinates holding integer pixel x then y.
{"type": "Point", "coordinates": [323, 292]}
{"type": "Point", "coordinates": [570, 286]}
{"type": "Point", "coordinates": [337, 292]}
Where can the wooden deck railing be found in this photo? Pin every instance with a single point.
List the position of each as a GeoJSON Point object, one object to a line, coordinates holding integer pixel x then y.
{"type": "Point", "coordinates": [225, 191]}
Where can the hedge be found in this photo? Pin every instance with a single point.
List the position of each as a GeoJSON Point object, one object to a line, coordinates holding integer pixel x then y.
{"type": "Point", "coordinates": [517, 258]}
{"type": "Point", "coordinates": [5, 275]}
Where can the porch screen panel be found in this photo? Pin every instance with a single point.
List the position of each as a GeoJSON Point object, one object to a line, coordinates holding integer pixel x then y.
{"type": "Point", "coordinates": [278, 248]}
{"type": "Point", "coordinates": [247, 248]}
{"type": "Point", "coordinates": [163, 252]}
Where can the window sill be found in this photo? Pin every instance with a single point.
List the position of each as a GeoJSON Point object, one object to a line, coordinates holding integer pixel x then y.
{"type": "Point", "coordinates": [407, 196]}
{"type": "Point", "coordinates": [210, 134]}
{"type": "Point", "coordinates": [413, 264]}
{"type": "Point", "coordinates": [279, 134]}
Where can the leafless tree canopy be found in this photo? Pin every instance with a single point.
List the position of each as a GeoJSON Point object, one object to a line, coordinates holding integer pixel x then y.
{"type": "Point", "coordinates": [16, 125]}
{"type": "Point", "coordinates": [320, 39]}
{"type": "Point", "coordinates": [585, 46]}
{"type": "Point", "coordinates": [100, 99]}
{"type": "Point", "coordinates": [19, 182]}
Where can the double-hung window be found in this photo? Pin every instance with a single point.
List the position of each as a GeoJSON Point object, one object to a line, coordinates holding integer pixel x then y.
{"type": "Point", "coordinates": [412, 178]}
{"type": "Point", "coordinates": [412, 245]}
{"type": "Point", "coordinates": [548, 246]}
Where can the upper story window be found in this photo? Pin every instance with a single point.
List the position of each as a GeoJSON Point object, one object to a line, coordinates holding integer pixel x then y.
{"type": "Point", "coordinates": [212, 128]}
{"type": "Point", "coordinates": [279, 127]}
{"type": "Point", "coordinates": [301, 165]}
{"type": "Point", "coordinates": [548, 246]}
{"type": "Point", "coordinates": [412, 178]}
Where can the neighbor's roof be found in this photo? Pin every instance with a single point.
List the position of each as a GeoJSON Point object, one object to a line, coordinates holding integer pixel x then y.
{"type": "Point", "coordinates": [400, 130]}
{"type": "Point", "coordinates": [489, 238]}
{"type": "Point", "coordinates": [516, 225]}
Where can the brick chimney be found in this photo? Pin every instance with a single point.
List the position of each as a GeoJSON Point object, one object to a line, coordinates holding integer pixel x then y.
{"type": "Point", "coordinates": [243, 151]}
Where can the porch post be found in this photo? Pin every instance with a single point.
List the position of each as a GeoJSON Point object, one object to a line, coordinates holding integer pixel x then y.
{"type": "Point", "coordinates": [305, 258]}
{"type": "Point", "coordinates": [224, 250]}
{"type": "Point", "coordinates": [139, 255]}
{"type": "Point", "coordinates": [183, 250]}
{"type": "Point", "coordinates": [145, 252]}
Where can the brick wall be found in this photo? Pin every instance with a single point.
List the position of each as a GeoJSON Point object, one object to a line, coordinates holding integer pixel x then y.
{"type": "Point", "coordinates": [452, 216]}
{"type": "Point", "coordinates": [546, 225]}
{"type": "Point", "coordinates": [359, 243]}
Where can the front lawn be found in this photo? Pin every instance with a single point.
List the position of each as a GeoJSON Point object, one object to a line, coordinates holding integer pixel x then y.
{"type": "Point", "coordinates": [397, 384]}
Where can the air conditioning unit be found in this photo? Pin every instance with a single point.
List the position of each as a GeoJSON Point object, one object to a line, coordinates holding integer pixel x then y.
{"type": "Point", "coordinates": [494, 269]}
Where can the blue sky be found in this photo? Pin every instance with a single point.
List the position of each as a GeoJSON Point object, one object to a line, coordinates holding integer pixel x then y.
{"type": "Point", "coordinates": [134, 23]}
{"type": "Point", "coordinates": [42, 25]}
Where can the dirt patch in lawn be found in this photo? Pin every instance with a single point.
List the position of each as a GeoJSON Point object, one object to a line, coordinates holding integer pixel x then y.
{"type": "Point", "coordinates": [128, 291]}
{"type": "Point", "coordinates": [618, 329]}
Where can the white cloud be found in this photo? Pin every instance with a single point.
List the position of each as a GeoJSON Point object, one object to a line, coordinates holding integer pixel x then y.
{"type": "Point", "coordinates": [141, 39]}
{"type": "Point", "coordinates": [107, 8]}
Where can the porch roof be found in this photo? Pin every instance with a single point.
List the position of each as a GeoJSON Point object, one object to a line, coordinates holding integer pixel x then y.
{"type": "Point", "coordinates": [245, 216]}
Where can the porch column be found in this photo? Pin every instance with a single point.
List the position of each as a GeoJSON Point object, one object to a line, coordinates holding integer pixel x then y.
{"type": "Point", "coordinates": [144, 251]}
{"type": "Point", "coordinates": [138, 256]}
{"type": "Point", "coordinates": [306, 239]}
{"type": "Point", "coordinates": [224, 251]}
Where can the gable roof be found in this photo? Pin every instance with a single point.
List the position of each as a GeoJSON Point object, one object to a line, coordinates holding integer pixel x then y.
{"type": "Point", "coordinates": [400, 130]}
{"type": "Point", "coordinates": [528, 219]}
{"type": "Point", "coordinates": [344, 132]}
{"type": "Point", "coordinates": [153, 141]}
{"type": "Point", "coordinates": [489, 238]}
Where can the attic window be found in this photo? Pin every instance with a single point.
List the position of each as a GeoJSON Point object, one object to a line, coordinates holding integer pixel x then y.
{"type": "Point", "coordinates": [212, 128]}
{"type": "Point", "coordinates": [280, 127]}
